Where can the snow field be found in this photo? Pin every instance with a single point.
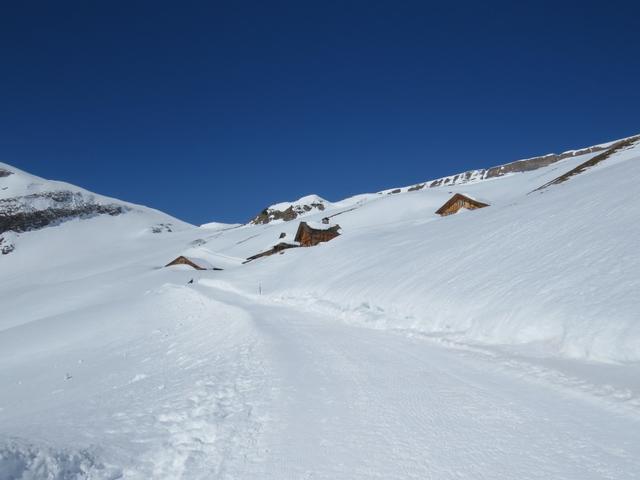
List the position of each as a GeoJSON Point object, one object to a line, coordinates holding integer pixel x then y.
{"type": "Point", "coordinates": [499, 343]}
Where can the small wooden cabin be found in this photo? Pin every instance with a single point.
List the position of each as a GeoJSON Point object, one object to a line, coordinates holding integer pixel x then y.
{"type": "Point", "coordinates": [279, 248]}
{"type": "Point", "coordinates": [309, 235]}
{"type": "Point", "coordinates": [197, 263]}
{"type": "Point", "coordinates": [457, 202]}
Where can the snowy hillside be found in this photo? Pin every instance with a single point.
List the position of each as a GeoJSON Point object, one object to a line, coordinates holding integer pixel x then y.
{"type": "Point", "coordinates": [501, 342]}
{"type": "Point", "coordinates": [29, 203]}
{"type": "Point", "coordinates": [287, 211]}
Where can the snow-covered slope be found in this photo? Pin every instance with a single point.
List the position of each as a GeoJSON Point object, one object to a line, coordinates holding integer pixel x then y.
{"type": "Point", "coordinates": [287, 211]}
{"type": "Point", "coordinates": [518, 166]}
{"type": "Point", "coordinates": [556, 267]}
{"type": "Point", "coordinates": [29, 203]}
{"type": "Point", "coordinates": [481, 275]}
{"type": "Point", "coordinates": [112, 366]}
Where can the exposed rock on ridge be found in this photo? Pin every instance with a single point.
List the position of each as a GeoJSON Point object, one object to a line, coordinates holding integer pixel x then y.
{"type": "Point", "coordinates": [32, 212]}
{"type": "Point", "coordinates": [287, 212]}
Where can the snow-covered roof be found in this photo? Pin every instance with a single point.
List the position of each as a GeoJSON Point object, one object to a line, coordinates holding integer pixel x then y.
{"type": "Point", "coordinates": [320, 225]}
{"type": "Point", "coordinates": [201, 262]}
{"type": "Point", "coordinates": [474, 198]}
{"type": "Point", "coordinates": [200, 255]}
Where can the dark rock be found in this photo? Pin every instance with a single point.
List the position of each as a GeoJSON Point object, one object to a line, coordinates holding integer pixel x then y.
{"type": "Point", "coordinates": [291, 213]}
{"type": "Point", "coordinates": [22, 214]}
{"type": "Point", "coordinates": [6, 247]}
{"type": "Point", "coordinates": [518, 166]}
{"type": "Point", "coordinates": [162, 227]}
{"type": "Point", "coordinates": [592, 162]}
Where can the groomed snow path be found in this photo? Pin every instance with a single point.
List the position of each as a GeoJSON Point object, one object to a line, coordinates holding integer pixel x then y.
{"type": "Point", "coordinates": [357, 403]}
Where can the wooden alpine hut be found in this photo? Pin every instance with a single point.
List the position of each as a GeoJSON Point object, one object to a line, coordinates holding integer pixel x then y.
{"type": "Point", "coordinates": [197, 263]}
{"type": "Point", "coordinates": [313, 233]}
{"type": "Point", "coordinates": [457, 202]}
{"type": "Point", "coordinates": [279, 248]}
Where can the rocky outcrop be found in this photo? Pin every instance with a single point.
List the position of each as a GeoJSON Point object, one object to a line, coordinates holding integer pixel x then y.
{"type": "Point", "coordinates": [616, 147]}
{"type": "Point", "coordinates": [538, 162]}
{"type": "Point", "coordinates": [39, 210]}
{"type": "Point", "coordinates": [290, 212]}
{"type": "Point", "coordinates": [6, 243]}
{"type": "Point", "coordinates": [162, 228]}
{"type": "Point", "coordinates": [518, 166]}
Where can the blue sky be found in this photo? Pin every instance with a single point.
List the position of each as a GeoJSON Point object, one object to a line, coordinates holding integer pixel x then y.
{"type": "Point", "coordinates": [214, 110]}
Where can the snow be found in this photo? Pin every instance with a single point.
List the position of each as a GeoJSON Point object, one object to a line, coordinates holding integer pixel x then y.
{"type": "Point", "coordinates": [24, 189]}
{"type": "Point", "coordinates": [320, 225]}
{"type": "Point", "coordinates": [201, 262]}
{"type": "Point", "coordinates": [502, 343]}
{"type": "Point", "coordinates": [306, 200]}
{"type": "Point", "coordinates": [206, 258]}
{"type": "Point", "coordinates": [219, 225]}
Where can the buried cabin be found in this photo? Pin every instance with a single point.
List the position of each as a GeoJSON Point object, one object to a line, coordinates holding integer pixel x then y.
{"type": "Point", "coordinates": [313, 233]}
{"type": "Point", "coordinates": [279, 248]}
{"type": "Point", "coordinates": [193, 262]}
{"type": "Point", "coordinates": [457, 202]}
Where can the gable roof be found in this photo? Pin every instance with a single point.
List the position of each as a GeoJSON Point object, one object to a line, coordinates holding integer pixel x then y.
{"type": "Point", "coordinates": [460, 196]}
{"type": "Point", "coordinates": [197, 263]}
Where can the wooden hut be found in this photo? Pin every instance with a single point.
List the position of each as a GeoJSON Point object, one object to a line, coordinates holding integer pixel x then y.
{"type": "Point", "coordinates": [197, 263]}
{"type": "Point", "coordinates": [457, 202]}
{"type": "Point", "coordinates": [279, 248]}
{"type": "Point", "coordinates": [310, 234]}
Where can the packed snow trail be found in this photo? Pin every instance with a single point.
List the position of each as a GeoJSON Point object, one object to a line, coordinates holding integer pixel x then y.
{"type": "Point", "coordinates": [358, 403]}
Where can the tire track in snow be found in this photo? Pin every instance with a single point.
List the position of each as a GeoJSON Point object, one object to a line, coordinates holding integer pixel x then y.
{"type": "Point", "coordinates": [214, 390]}
{"type": "Point", "coordinates": [359, 403]}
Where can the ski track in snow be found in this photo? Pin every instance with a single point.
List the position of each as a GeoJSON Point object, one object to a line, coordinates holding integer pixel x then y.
{"type": "Point", "coordinates": [197, 414]}
{"type": "Point", "coordinates": [615, 398]}
{"type": "Point", "coordinates": [360, 403]}
{"type": "Point", "coordinates": [276, 391]}
{"type": "Point", "coordinates": [210, 427]}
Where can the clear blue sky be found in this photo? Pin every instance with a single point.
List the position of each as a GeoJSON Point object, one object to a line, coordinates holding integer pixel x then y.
{"type": "Point", "coordinates": [213, 110]}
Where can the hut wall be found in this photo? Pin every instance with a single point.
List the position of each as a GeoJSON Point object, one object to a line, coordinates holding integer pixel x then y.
{"type": "Point", "coordinates": [457, 205]}
{"type": "Point", "coordinates": [312, 238]}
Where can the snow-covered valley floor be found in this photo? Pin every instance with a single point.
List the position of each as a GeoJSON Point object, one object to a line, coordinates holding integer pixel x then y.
{"type": "Point", "coordinates": [223, 385]}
